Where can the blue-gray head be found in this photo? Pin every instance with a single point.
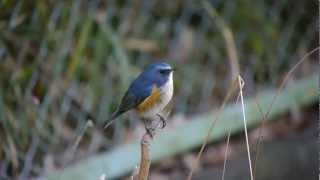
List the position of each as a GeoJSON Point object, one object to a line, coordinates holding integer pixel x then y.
{"type": "Point", "coordinates": [157, 73]}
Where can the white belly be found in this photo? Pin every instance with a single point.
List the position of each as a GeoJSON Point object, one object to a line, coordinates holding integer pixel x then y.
{"type": "Point", "coordinates": [165, 97]}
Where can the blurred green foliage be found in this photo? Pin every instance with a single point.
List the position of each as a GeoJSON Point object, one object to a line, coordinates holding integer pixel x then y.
{"type": "Point", "coordinates": [54, 53]}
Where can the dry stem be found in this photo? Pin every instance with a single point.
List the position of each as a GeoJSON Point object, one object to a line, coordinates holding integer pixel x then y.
{"type": "Point", "coordinates": [241, 84]}
{"type": "Point", "coordinates": [145, 160]}
{"type": "Point", "coordinates": [226, 155]}
{"type": "Point", "coordinates": [229, 93]}
{"type": "Point", "coordinates": [282, 85]}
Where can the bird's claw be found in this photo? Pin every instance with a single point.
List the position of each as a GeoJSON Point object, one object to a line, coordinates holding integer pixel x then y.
{"type": "Point", "coordinates": [151, 132]}
{"type": "Point", "coordinates": [163, 121]}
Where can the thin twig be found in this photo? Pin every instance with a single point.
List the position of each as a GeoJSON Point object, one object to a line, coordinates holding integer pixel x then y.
{"type": "Point", "coordinates": [283, 83]}
{"type": "Point", "coordinates": [260, 136]}
{"type": "Point", "coordinates": [226, 155]}
{"type": "Point", "coordinates": [288, 75]}
{"type": "Point", "coordinates": [74, 147]}
{"type": "Point", "coordinates": [227, 148]}
{"type": "Point", "coordinates": [205, 142]}
{"type": "Point", "coordinates": [241, 84]}
{"type": "Point", "coordinates": [79, 137]}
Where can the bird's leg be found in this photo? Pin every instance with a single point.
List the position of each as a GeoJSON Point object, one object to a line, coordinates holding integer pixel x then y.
{"type": "Point", "coordinates": [163, 121]}
{"type": "Point", "coordinates": [150, 131]}
{"type": "Point", "coordinates": [151, 125]}
{"type": "Point", "coordinates": [149, 128]}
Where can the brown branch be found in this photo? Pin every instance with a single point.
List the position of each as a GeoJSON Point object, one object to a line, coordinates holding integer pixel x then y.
{"type": "Point", "coordinates": [145, 160]}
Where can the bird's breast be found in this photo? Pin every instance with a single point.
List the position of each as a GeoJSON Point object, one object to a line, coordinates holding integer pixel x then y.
{"type": "Point", "coordinates": [150, 101]}
{"type": "Point", "coordinates": [158, 99]}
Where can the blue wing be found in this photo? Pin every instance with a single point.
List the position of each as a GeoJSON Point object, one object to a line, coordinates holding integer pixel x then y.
{"type": "Point", "coordinates": [138, 91]}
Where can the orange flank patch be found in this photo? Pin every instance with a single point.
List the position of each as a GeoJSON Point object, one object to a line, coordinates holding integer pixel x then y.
{"type": "Point", "coordinates": [149, 101]}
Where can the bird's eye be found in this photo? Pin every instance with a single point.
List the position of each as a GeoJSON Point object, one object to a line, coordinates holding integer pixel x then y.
{"type": "Point", "coordinates": [162, 72]}
{"type": "Point", "coordinates": [165, 71]}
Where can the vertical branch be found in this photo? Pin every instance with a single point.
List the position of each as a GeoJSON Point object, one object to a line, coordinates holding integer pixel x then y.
{"type": "Point", "coordinates": [241, 84]}
{"type": "Point", "coordinates": [226, 156]}
{"type": "Point", "coordinates": [145, 160]}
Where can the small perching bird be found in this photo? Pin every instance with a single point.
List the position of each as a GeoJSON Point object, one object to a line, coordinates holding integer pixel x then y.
{"type": "Point", "coordinates": [148, 94]}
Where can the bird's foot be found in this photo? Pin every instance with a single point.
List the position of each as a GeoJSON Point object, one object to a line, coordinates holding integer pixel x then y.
{"type": "Point", "coordinates": [151, 131]}
{"type": "Point", "coordinates": [163, 121]}
{"type": "Point", "coordinates": [152, 126]}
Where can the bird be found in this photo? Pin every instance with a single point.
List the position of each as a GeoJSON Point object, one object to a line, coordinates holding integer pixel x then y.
{"type": "Point", "coordinates": [148, 94]}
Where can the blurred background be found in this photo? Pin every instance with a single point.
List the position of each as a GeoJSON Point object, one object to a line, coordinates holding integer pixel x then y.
{"type": "Point", "coordinates": [62, 62]}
